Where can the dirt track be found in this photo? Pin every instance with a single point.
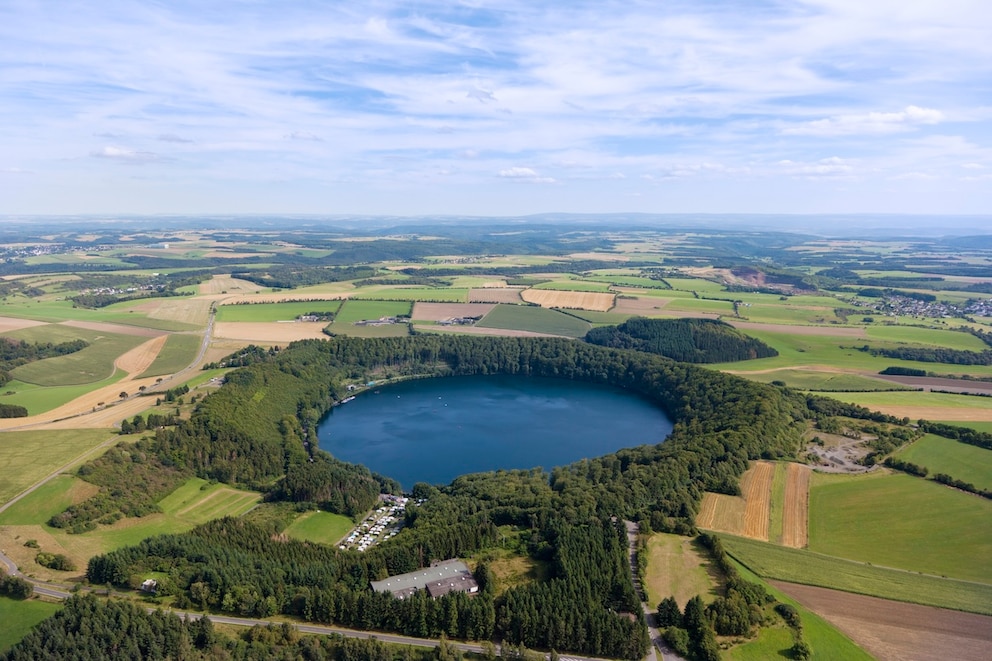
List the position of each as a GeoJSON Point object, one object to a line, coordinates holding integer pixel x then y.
{"type": "Point", "coordinates": [795, 515]}
{"type": "Point", "coordinates": [897, 631]}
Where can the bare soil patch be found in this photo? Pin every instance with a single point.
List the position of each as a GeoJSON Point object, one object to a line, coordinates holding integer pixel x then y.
{"type": "Point", "coordinates": [795, 329]}
{"type": "Point", "coordinates": [895, 630]}
{"type": "Point", "coordinates": [756, 487]}
{"type": "Point", "coordinates": [444, 311]}
{"type": "Point", "coordinates": [495, 295]}
{"type": "Point", "coordinates": [795, 513]}
{"type": "Point", "coordinates": [640, 306]}
{"type": "Point", "coordinates": [276, 332]}
{"type": "Point", "coordinates": [574, 300]}
{"type": "Point", "coordinates": [119, 329]}
{"type": "Point", "coordinates": [8, 324]}
{"type": "Point", "coordinates": [140, 358]}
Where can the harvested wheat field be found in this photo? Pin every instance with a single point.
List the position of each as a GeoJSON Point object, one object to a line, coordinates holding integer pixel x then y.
{"type": "Point", "coordinates": [8, 324]}
{"type": "Point", "coordinates": [494, 295]}
{"type": "Point", "coordinates": [895, 630]}
{"type": "Point", "coordinates": [640, 306]}
{"type": "Point", "coordinates": [269, 332]}
{"type": "Point", "coordinates": [443, 311]}
{"type": "Point", "coordinates": [186, 310]}
{"type": "Point", "coordinates": [573, 300]}
{"type": "Point", "coordinates": [745, 515]}
{"type": "Point", "coordinates": [225, 284]}
{"type": "Point", "coordinates": [119, 329]}
{"type": "Point", "coordinates": [795, 514]}
{"type": "Point", "coordinates": [140, 358]}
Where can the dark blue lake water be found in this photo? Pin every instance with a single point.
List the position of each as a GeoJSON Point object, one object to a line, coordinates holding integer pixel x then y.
{"type": "Point", "coordinates": [433, 430]}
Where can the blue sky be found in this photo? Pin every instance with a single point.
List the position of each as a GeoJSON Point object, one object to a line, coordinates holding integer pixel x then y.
{"type": "Point", "coordinates": [496, 108]}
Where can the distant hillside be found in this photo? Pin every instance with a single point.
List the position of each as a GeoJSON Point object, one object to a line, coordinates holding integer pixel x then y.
{"type": "Point", "coordinates": [685, 340]}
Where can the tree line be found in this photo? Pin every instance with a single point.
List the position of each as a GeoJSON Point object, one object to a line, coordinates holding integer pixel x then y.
{"type": "Point", "coordinates": [684, 340]}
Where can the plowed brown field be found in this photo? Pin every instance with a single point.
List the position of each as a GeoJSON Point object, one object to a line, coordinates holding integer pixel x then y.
{"type": "Point", "coordinates": [8, 324]}
{"type": "Point", "coordinates": [795, 515]}
{"type": "Point", "coordinates": [642, 306]}
{"type": "Point", "coordinates": [263, 331]}
{"type": "Point", "coordinates": [891, 630]}
{"type": "Point", "coordinates": [582, 300]}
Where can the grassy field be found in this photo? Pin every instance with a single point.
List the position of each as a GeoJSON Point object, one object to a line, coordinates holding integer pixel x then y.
{"type": "Point", "coordinates": [678, 566]}
{"type": "Point", "coordinates": [19, 617]}
{"type": "Point", "coordinates": [771, 643]}
{"type": "Point", "coordinates": [179, 351]}
{"type": "Point", "coordinates": [439, 295]}
{"type": "Point", "coordinates": [534, 319]}
{"type": "Point", "coordinates": [92, 364]}
{"type": "Point", "coordinates": [198, 501]}
{"type": "Point", "coordinates": [38, 399]}
{"type": "Point", "coordinates": [574, 285]}
{"type": "Point", "coordinates": [944, 455]}
{"type": "Point", "coordinates": [980, 426]}
{"type": "Point", "coordinates": [808, 568]}
{"type": "Point", "coordinates": [600, 318]}
{"type": "Point", "coordinates": [776, 507]}
{"type": "Point", "coordinates": [352, 311]}
{"type": "Point", "coordinates": [829, 381]}
{"type": "Point", "coordinates": [826, 642]}
{"type": "Point", "coordinates": [48, 500]}
{"type": "Point", "coordinates": [320, 527]}
{"type": "Point", "coordinates": [928, 336]}
{"type": "Point", "coordinates": [896, 520]}
{"type": "Point", "coordinates": [29, 456]}
{"type": "Point", "coordinates": [259, 312]}
{"type": "Point", "coordinates": [875, 400]}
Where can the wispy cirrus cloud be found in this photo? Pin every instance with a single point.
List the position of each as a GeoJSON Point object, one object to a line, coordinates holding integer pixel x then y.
{"type": "Point", "coordinates": [869, 123]}
{"type": "Point", "coordinates": [125, 155]}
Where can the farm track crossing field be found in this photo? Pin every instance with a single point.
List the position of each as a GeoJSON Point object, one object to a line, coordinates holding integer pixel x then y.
{"type": "Point", "coordinates": [896, 520]}
{"type": "Point", "coordinates": [802, 566]}
{"type": "Point", "coordinates": [582, 300]}
{"type": "Point", "coordinates": [893, 630]}
{"type": "Point", "coordinates": [535, 320]}
{"type": "Point", "coordinates": [29, 456]}
{"type": "Point", "coordinates": [495, 295]}
{"type": "Point", "coordinates": [944, 455]}
{"type": "Point", "coordinates": [795, 514]}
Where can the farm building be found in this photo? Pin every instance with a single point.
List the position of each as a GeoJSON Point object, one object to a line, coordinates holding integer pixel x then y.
{"type": "Point", "coordinates": [438, 579]}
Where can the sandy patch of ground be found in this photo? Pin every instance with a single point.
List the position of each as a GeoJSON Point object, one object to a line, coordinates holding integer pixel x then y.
{"type": "Point", "coordinates": [275, 331]}
{"type": "Point", "coordinates": [756, 487]}
{"type": "Point", "coordinates": [795, 329]}
{"type": "Point", "coordinates": [443, 311]}
{"type": "Point", "coordinates": [140, 358]}
{"type": "Point", "coordinates": [573, 300]}
{"type": "Point", "coordinates": [894, 630]}
{"type": "Point", "coordinates": [647, 305]}
{"type": "Point", "coordinates": [225, 284]}
{"type": "Point", "coordinates": [477, 330]}
{"type": "Point", "coordinates": [795, 514]}
{"type": "Point", "coordinates": [119, 329]}
{"type": "Point", "coordinates": [495, 295]}
{"type": "Point", "coordinates": [8, 324]}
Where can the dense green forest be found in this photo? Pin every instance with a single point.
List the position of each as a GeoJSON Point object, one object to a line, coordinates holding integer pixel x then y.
{"type": "Point", "coordinates": [933, 355]}
{"type": "Point", "coordinates": [685, 340]}
{"type": "Point", "coordinates": [259, 430]}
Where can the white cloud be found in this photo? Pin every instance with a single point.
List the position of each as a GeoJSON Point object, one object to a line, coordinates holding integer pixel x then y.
{"type": "Point", "coordinates": [126, 155]}
{"type": "Point", "coordinates": [832, 167]}
{"type": "Point", "coordinates": [528, 175]}
{"type": "Point", "coordinates": [172, 137]}
{"type": "Point", "coordinates": [868, 123]}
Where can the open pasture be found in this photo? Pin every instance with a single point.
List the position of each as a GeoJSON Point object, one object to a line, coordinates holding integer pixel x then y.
{"type": "Point", "coordinates": [680, 567]}
{"type": "Point", "coordinates": [320, 527]}
{"type": "Point", "coordinates": [19, 617]}
{"type": "Point", "coordinates": [495, 295]}
{"type": "Point", "coordinates": [926, 336]}
{"type": "Point", "coordinates": [178, 352]}
{"type": "Point", "coordinates": [29, 456]}
{"type": "Point", "coordinates": [354, 310]}
{"type": "Point", "coordinates": [895, 630]}
{"type": "Point", "coordinates": [46, 501]}
{"type": "Point", "coordinates": [269, 312]}
{"type": "Point", "coordinates": [575, 285]}
{"type": "Point", "coordinates": [8, 324]}
{"type": "Point", "coordinates": [928, 405]}
{"type": "Point", "coordinates": [944, 455]}
{"type": "Point", "coordinates": [197, 501]}
{"type": "Point", "coordinates": [802, 566]}
{"type": "Point", "coordinates": [535, 320]}
{"type": "Point", "coordinates": [392, 294]}
{"type": "Point", "coordinates": [896, 520]}
{"type": "Point", "coordinates": [582, 300]}
{"type": "Point", "coordinates": [825, 380]}
{"type": "Point", "coordinates": [90, 365]}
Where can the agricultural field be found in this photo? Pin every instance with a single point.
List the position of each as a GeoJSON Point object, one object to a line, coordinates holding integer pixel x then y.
{"type": "Point", "coordinates": [495, 295]}
{"type": "Point", "coordinates": [535, 320]}
{"type": "Point", "coordinates": [746, 515]}
{"type": "Point", "coordinates": [679, 567]}
{"type": "Point", "coordinates": [927, 405]}
{"type": "Point", "coordinates": [580, 300]}
{"type": "Point", "coordinates": [575, 285]}
{"type": "Point", "coordinates": [320, 527]}
{"type": "Point", "coordinates": [179, 351]}
{"type": "Point", "coordinates": [47, 500]}
{"type": "Point", "coordinates": [944, 455]}
{"type": "Point", "coordinates": [444, 311]}
{"type": "Point", "coordinates": [896, 520]}
{"type": "Point", "coordinates": [824, 381]}
{"type": "Point", "coordinates": [809, 568]}
{"type": "Point", "coordinates": [19, 617]}
{"type": "Point", "coordinates": [268, 312]}
{"type": "Point", "coordinates": [29, 456]}
{"type": "Point", "coordinates": [354, 311]}
{"type": "Point", "coordinates": [90, 365]}
{"type": "Point", "coordinates": [449, 294]}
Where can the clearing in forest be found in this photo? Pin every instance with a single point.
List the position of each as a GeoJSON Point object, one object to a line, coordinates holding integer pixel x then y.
{"type": "Point", "coordinates": [679, 567]}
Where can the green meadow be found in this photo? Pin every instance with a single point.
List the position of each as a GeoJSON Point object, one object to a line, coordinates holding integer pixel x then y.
{"type": "Point", "coordinates": [19, 617]}
{"type": "Point", "coordinates": [268, 312]}
{"type": "Point", "coordinates": [534, 319]}
{"type": "Point", "coordinates": [895, 520]}
{"type": "Point", "coordinates": [29, 456]}
{"type": "Point", "coordinates": [178, 352]}
{"type": "Point", "coordinates": [320, 527]}
{"type": "Point", "coordinates": [826, 381]}
{"type": "Point", "coordinates": [874, 400]}
{"type": "Point", "coordinates": [38, 399]}
{"type": "Point", "coordinates": [91, 364]}
{"type": "Point", "coordinates": [574, 285]}
{"type": "Point", "coordinates": [809, 568]}
{"type": "Point", "coordinates": [47, 500]}
{"type": "Point", "coordinates": [945, 455]}
{"type": "Point", "coordinates": [443, 295]}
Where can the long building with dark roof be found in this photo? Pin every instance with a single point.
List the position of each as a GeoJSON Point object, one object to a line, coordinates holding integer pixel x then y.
{"type": "Point", "coordinates": [438, 579]}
